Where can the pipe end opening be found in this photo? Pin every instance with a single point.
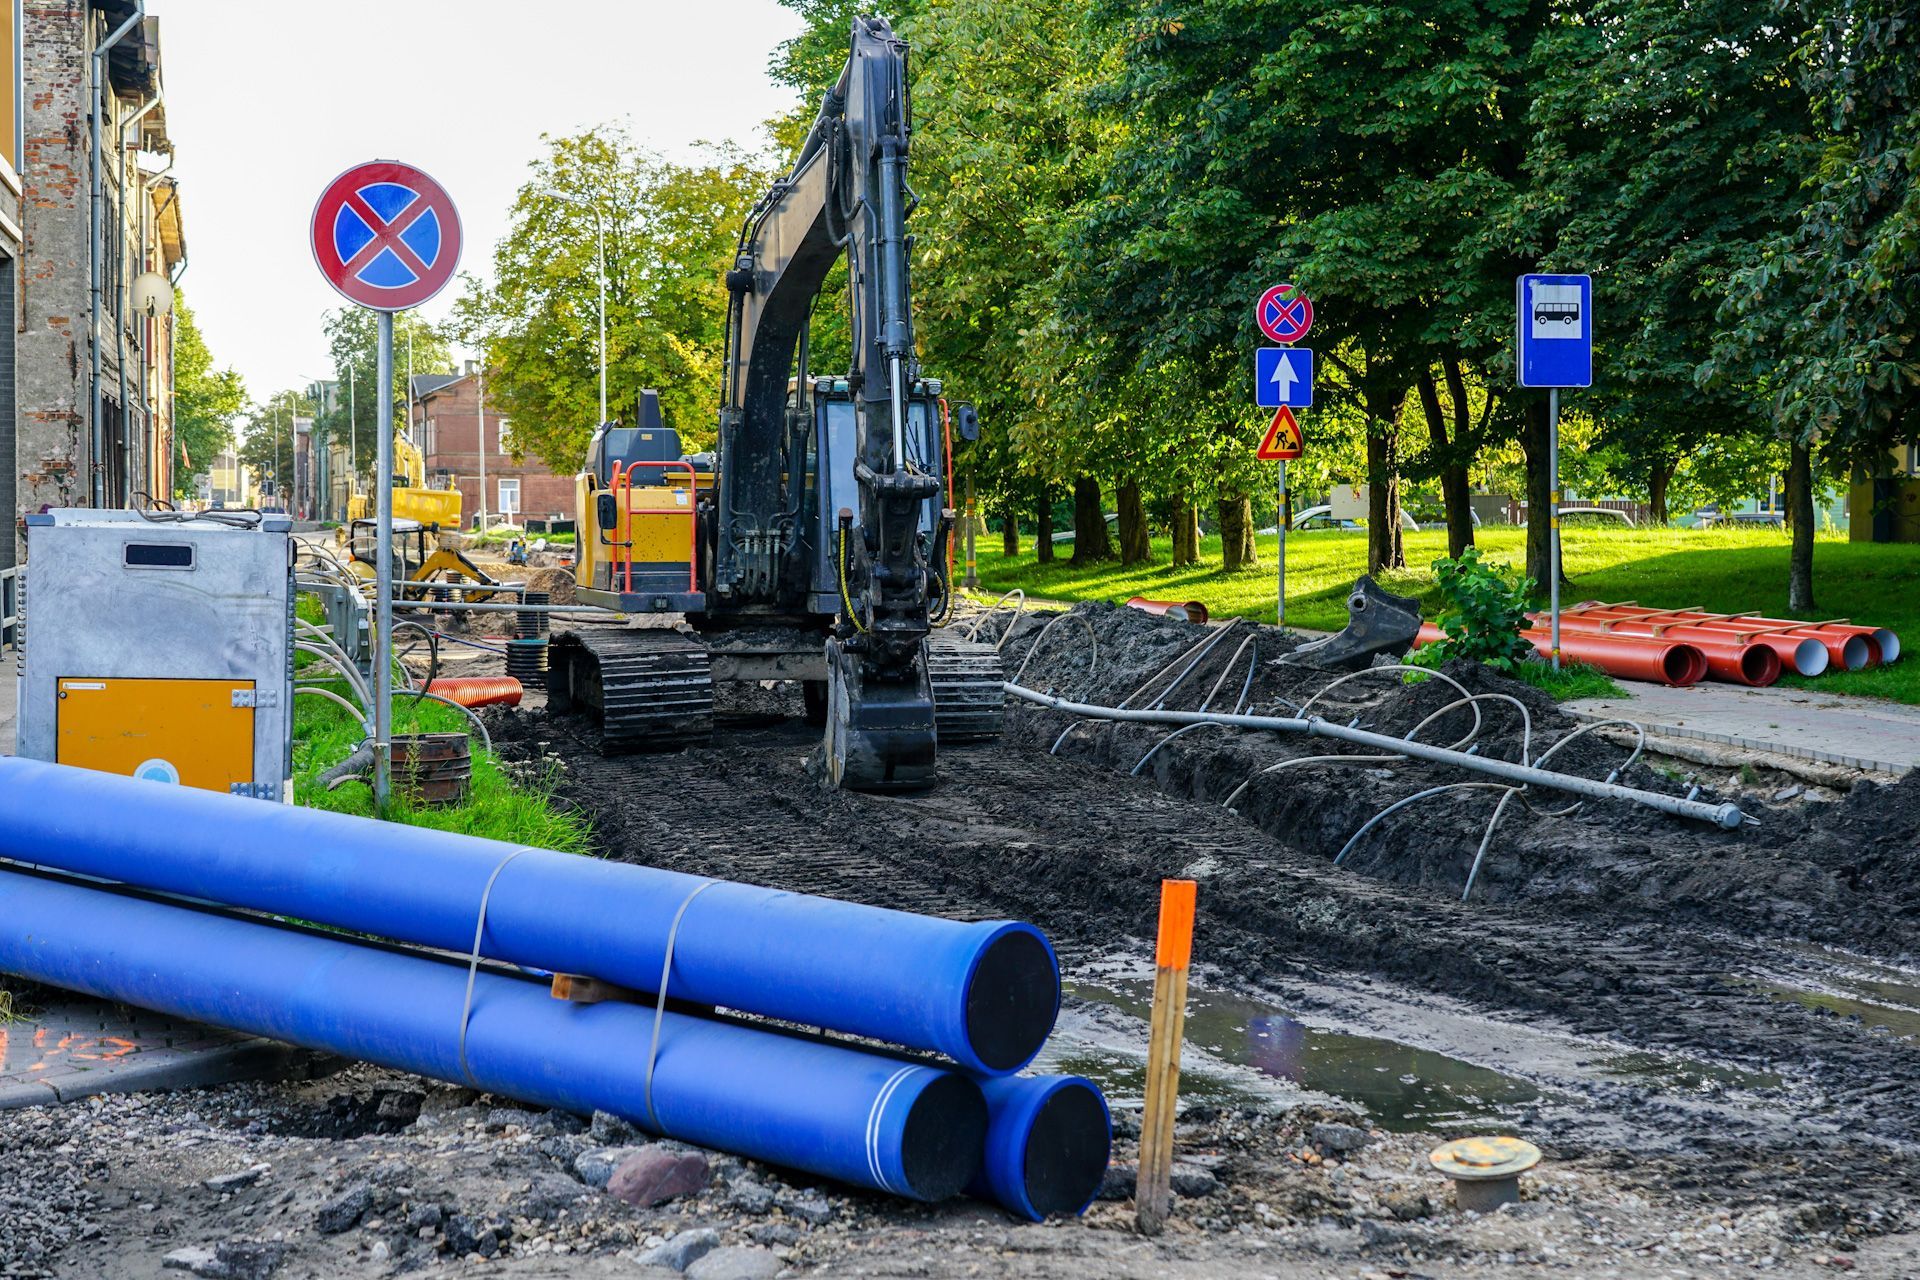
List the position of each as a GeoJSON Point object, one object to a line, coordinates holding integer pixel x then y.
{"type": "Point", "coordinates": [1067, 1151]}
{"type": "Point", "coordinates": [1810, 658]}
{"type": "Point", "coordinates": [1759, 665]}
{"type": "Point", "coordinates": [1678, 663]}
{"type": "Point", "coordinates": [945, 1131]}
{"type": "Point", "coordinates": [1013, 997]}
{"type": "Point", "coordinates": [1856, 653]}
{"type": "Point", "coordinates": [1889, 642]}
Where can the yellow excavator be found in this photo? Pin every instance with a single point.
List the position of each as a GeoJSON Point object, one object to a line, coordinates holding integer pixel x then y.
{"type": "Point", "coordinates": [412, 499]}
{"type": "Point", "coordinates": [420, 514]}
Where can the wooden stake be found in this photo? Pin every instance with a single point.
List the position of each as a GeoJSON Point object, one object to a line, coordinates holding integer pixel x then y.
{"type": "Point", "coordinates": [1153, 1192]}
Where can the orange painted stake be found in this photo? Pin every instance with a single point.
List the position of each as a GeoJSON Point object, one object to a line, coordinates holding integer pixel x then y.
{"type": "Point", "coordinates": [1153, 1192]}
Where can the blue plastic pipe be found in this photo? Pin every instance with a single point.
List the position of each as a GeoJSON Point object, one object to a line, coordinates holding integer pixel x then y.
{"type": "Point", "coordinates": [984, 994]}
{"type": "Point", "coordinates": [1048, 1142]}
{"type": "Point", "coordinates": [866, 1119]}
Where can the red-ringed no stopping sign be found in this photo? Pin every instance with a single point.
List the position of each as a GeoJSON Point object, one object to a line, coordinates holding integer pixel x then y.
{"type": "Point", "coordinates": [386, 235]}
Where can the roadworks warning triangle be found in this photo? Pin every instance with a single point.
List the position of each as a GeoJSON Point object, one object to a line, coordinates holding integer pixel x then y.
{"type": "Point", "coordinates": [1283, 441]}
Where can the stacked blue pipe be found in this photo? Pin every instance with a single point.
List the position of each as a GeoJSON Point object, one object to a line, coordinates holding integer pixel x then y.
{"type": "Point", "coordinates": [983, 994]}
{"type": "Point", "coordinates": [863, 1118]}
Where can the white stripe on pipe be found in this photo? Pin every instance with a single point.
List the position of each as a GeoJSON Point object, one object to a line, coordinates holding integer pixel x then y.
{"type": "Point", "coordinates": [880, 1101]}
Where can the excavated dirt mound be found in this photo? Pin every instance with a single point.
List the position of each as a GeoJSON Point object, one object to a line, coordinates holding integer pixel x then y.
{"type": "Point", "coordinates": [1843, 873]}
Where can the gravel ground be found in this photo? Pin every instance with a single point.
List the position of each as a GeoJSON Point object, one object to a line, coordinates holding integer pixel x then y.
{"type": "Point", "coordinates": [372, 1173]}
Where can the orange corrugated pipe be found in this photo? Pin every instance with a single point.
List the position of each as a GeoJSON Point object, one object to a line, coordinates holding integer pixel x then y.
{"type": "Point", "coordinates": [478, 691]}
{"type": "Point", "coordinates": [1187, 610]}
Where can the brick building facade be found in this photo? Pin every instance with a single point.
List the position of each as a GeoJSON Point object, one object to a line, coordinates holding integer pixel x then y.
{"type": "Point", "coordinates": [70, 356]}
{"type": "Point", "coordinates": [445, 424]}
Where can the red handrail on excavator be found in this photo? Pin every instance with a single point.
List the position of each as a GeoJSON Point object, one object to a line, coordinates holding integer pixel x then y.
{"type": "Point", "coordinates": [623, 479]}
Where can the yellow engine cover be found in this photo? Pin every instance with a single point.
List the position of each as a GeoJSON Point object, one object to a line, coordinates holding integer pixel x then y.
{"type": "Point", "coordinates": [660, 525]}
{"type": "Point", "coordinates": [185, 731]}
{"type": "Point", "coordinates": [429, 506]}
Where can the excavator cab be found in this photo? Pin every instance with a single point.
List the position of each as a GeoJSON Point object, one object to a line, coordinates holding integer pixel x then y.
{"type": "Point", "coordinates": [639, 521]}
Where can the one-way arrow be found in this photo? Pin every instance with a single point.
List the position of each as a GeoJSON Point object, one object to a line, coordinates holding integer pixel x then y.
{"type": "Point", "coordinates": [1283, 376]}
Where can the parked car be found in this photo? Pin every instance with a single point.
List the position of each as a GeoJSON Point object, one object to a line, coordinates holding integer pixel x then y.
{"type": "Point", "coordinates": [1066, 535]}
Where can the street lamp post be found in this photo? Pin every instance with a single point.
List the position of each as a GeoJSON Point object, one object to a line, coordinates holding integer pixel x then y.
{"type": "Point", "coordinates": [353, 440]}
{"type": "Point", "coordinates": [600, 237]}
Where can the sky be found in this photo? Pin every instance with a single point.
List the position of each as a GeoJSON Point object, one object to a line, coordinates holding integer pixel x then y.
{"type": "Point", "coordinates": [268, 101]}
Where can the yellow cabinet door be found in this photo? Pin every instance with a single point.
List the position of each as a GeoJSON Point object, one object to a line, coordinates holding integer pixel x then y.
{"type": "Point", "coordinates": [197, 733]}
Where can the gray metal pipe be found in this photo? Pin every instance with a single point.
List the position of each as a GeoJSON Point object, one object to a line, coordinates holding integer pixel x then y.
{"type": "Point", "coordinates": [1726, 816]}
{"type": "Point", "coordinates": [461, 606]}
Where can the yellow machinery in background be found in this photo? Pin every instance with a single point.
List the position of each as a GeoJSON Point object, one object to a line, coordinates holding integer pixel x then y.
{"type": "Point", "coordinates": [412, 500]}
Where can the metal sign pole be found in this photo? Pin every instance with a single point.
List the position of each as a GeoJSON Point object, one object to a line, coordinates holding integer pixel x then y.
{"type": "Point", "coordinates": [383, 571]}
{"type": "Point", "coordinates": [1553, 516]}
{"type": "Point", "coordinates": [1280, 611]}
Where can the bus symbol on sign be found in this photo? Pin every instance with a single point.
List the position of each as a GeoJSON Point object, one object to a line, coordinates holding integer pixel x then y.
{"type": "Point", "coordinates": [1556, 311]}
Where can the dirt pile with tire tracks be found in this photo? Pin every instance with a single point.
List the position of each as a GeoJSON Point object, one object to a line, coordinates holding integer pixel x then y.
{"type": "Point", "coordinates": [1843, 872]}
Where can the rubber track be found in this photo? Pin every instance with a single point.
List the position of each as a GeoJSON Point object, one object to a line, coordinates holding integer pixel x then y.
{"type": "Point", "coordinates": [656, 686]}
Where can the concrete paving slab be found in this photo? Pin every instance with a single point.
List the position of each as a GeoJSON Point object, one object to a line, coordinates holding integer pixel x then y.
{"type": "Point", "coordinates": [79, 1047]}
{"type": "Point", "coordinates": [1855, 733]}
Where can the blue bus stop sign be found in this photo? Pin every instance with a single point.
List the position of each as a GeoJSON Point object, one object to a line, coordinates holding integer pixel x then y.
{"type": "Point", "coordinates": [1554, 346]}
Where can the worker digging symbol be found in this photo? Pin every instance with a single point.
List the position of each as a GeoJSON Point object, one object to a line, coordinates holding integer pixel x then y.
{"type": "Point", "coordinates": [386, 235]}
{"type": "Point", "coordinates": [1283, 442]}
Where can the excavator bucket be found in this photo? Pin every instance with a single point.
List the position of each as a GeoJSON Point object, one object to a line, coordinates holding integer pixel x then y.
{"type": "Point", "coordinates": [880, 733]}
{"type": "Point", "coordinates": [1377, 622]}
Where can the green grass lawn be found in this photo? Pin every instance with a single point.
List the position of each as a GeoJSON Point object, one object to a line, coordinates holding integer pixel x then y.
{"type": "Point", "coordinates": [1726, 570]}
{"type": "Point", "coordinates": [498, 807]}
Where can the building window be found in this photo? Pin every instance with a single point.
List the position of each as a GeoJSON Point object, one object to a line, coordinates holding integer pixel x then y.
{"type": "Point", "coordinates": [510, 497]}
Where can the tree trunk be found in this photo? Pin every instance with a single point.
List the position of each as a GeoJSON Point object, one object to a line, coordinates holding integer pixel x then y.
{"type": "Point", "coordinates": [1456, 487]}
{"type": "Point", "coordinates": [1136, 539]}
{"type": "Point", "coordinates": [1043, 526]}
{"type": "Point", "coordinates": [1385, 548]}
{"type": "Point", "coordinates": [1535, 439]}
{"type": "Point", "coordinates": [1236, 533]}
{"type": "Point", "coordinates": [1010, 533]}
{"type": "Point", "coordinates": [1186, 531]}
{"type": "Point", "coordinates": [1090, 542]}
{"type": "Point", "coordinates": [1657, 482]}
{"type": "Point", "coordinates": [1800, 514]}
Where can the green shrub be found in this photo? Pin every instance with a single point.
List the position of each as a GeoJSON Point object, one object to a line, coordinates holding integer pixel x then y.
{"type": "Point", "coordinates": [1483, 614]}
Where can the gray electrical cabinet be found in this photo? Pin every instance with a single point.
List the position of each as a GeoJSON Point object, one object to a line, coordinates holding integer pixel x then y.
{"type": "Point", "coordinates": [160, 645]}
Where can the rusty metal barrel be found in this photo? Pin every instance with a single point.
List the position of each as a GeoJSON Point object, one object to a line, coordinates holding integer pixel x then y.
{"type": "Point", "coordinates": [433, 769]}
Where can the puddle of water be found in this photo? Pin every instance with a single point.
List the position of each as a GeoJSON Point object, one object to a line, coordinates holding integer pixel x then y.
{"type": "Point", "coordinates": [1684, 1073]}
{"type": "Point", "coordinates": [1401, 1087]}
{"type": "Point", "coordinates": [1904, 1023]}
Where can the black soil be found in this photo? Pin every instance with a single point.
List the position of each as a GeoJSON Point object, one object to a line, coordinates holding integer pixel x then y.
{"type": "Point", "coordinates": [1610, 921]}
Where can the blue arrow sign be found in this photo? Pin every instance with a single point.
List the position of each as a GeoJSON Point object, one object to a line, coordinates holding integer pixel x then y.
{"type": "Point", "coordinates": [1554, 326]}
{"type": "Point", "coordinates": [1283, 376]}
